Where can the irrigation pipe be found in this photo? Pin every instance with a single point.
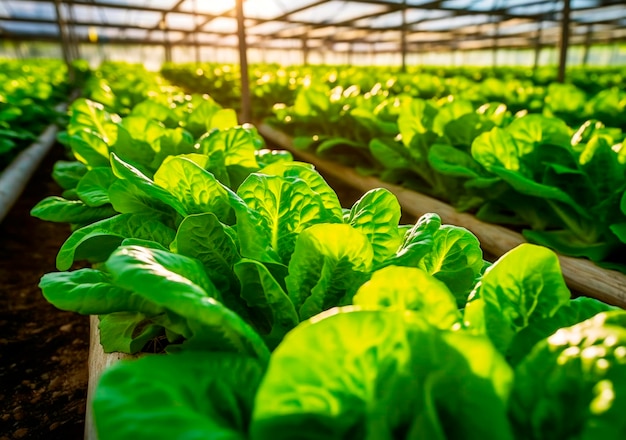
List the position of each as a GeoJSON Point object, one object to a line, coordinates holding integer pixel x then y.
{"type": "Point", "coordinates": [14, 178]}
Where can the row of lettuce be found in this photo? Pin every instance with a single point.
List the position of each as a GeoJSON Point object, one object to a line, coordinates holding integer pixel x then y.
{"type": "Point", "coordinates": [29, 92]}
{"type": "Point", "coordinates": [589, 92]}
{"type": "Point", "coordinates": [544, 159]}
{"type": "Point", "coordinates": [285, 315]}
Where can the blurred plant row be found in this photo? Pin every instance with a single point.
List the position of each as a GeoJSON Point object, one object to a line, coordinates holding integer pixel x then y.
{"type": "Point", "coordinates": [29, 91]}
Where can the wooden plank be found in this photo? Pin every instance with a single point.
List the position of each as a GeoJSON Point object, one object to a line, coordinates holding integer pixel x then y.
{"type": "Point", "coordinates": [581, 275]}
{"type": "Point", "coordinates": [98, 362]}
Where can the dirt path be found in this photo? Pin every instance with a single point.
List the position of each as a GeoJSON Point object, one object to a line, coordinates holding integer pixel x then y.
{"type": "Point", "coordinates": [43, 351]}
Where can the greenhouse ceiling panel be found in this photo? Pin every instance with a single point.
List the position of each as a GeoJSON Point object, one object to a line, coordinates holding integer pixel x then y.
{"type": "Point", "coordinates": [347, 21]}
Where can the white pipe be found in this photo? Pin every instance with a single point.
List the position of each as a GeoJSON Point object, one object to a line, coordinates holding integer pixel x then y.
{"type": "Point", "coordinates": [15, 177]}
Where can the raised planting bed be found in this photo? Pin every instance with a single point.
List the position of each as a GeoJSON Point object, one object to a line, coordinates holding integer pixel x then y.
{"type": "Point", "coordinates": [581, 275]}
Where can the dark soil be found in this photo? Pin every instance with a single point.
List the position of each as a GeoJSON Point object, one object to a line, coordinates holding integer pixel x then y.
{"type": "Point", "coordinates": [43, 351]}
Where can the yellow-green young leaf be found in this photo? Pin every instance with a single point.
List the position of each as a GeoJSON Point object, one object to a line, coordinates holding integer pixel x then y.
{"type": "Point", "coordinates": [232, 151]}
{"type": "Point", "coordinates": [85, 113]}
{"type": "Point", "coordinates": [135, 138]}
{"type": "Point", "coordinates": [294, 171]}
{"type": "Point", "coordinates": [89, 148]}
{"type": "Point", "coordinates": [355, 374]}
{"type": "Point", "coordinates": [195, 188]}
{"type": "Point", "coordinates": [456, 259]}
{"type": "Point", "coordinates": [329, 263]}
{"type": "Point", "coordinates": [222, 120]}
{"type": "Point", "coordinates": [376, 214]}
{"type": "Point", "coordinates": [408, 288]}
{"type": "Point", "coordinates": [277, 210]}
{"type": "Point", "coordinates": [496, 148]}
{"type": "Point", "coordinates": [524, 286]}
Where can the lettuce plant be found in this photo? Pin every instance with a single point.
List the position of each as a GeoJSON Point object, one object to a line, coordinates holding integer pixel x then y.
{"type": "Point", "coordinates": [284, 315]}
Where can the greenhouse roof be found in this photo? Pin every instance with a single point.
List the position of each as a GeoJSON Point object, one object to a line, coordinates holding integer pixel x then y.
{"type": "Point", "coordinates": [367, 25]}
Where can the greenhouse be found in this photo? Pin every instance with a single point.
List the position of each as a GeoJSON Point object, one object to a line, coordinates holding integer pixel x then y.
{"type": "Point", "coordinates": [313, 219]}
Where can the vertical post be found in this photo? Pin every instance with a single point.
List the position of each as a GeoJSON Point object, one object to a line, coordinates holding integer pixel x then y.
{"type": "Point", "coordinates": [350, 53]}
{"type": "Point", "coordinates": [537, 47]}
{"type": "Point", "coordinates": [305, 50]}
{"type": "Point", "coordinates": [246, 104]}
{"type": "Point", "coordinates": [168, 49]}
{"type": "Point", "coordinates": [73, 38]}
{"type": "Point", "coordinates": [403, 45]}
{"type": "Point", "coordinates": [19, 50]}
{"type": "Point", "coordinates": [614, 57]}
{"type": "Point", "coordinates": [564, 40]}
{"type": "Point", "coordinates": [195, 34]}
{"type": "Point", "coordinates": [587, 46]}
{"type": "Point", "coordinates": [67, 56]}
{"type": "Point", "coordinates": [494, 58]}
{"type": "Point", "coordinates": [167, 46]}
{"type": "Point", "coordinates": [263, 50]}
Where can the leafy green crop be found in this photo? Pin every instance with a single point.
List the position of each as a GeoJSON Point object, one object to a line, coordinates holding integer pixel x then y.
{"type": "Point", "coordinates": [29, 91]}
{"type": "Point", "coordinates": [554, 173]}
{"type": "Point", "coordinates": [286, 315]}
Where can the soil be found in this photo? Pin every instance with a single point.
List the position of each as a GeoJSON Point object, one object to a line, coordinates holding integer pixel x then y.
{"type": "Point", "coordinates": [43, 351]}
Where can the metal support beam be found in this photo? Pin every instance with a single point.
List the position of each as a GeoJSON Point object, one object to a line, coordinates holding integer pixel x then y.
{"type": "Point", "coordinates": [495, 44]}
{"type": "Point", "coordinates": [587, 45]}
{"type": "Point", "coordinates": [195, 35]}
{"type": "Point", "coordinates": [246, 102]}
{"type": "Point", "coordinates": [65, 42]}
{"type": "Point", "coordinates": [403, 48]}
{"type": "Point", "coordinates": [73, 38]}
{"type": "Point", "coordinates": [538, 46]}
{"type": "Point", "coordinates": [564, 40]}
{"type": "Point", "coordinates": [305, 51]}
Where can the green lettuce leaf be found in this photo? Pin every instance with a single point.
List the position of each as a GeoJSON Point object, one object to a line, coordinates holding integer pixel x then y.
{"type": "Point", "coordinates": [93, 188]}
{"type": "Point", "coordinates": [60, 210]}
{"type": "Point", "coordinates": [276, 210]}
{"type": "Point", "coordinates": [180, 285]}
{"type": "Point", "coordinates": [203, 237]}
{"type": "Point", "coordinates": [126, 332]}
{"type": "Point", "coordinates": [274, 312]}
{"type": "Point", "coordinates": [376, 214]}
{"type": "Point", "coordinates": [379, 374]}
{"type": "Point", "coordinates": [96, 241]}
{"type": "Point", "coordinates": [329, 263]}
{"type": "Point", "coordinates": [523, 287]}
{"type": "Point", "coordinates": [195, 188]}
{"type": "Point", "coordinates": [408, 288]}
{"type": "Point", "coordinates": [573, 384]}
{"type": "Point", "coordinates": [196, 395]}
